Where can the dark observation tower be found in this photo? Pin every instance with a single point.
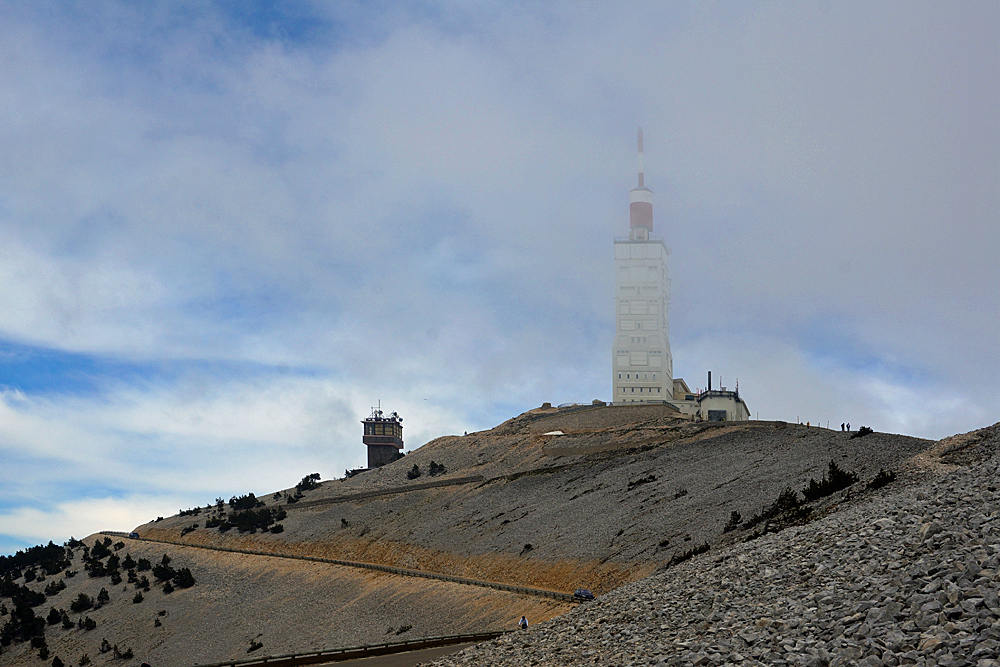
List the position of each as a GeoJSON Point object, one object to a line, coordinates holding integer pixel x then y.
{"type": "Point", "coordinates": [384, 437]}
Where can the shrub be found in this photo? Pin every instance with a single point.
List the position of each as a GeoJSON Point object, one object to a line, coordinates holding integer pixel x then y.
{"type": "Point", "coordinates": [84, 660]}
{"type": "Point", "coordinates": [835, 480]}
{"type": "Point", "coordinates": [734, 522]}
{"type": "Point", "coordinates": [183, 578]}
{"type": "Point", "coordinates": [641, 481]}
{"type": "Point", "coordinates": [861, 432]}
{"type": "Point", "coordinates": [138, 598]}
{"type": "Point", "coordinates": [254, 645]}
{"type": "Point", "coordinates": [687, 555]}
{"type": "Point", "coordinates": [309, 482]}
{"type": "Point", "coordinates": [168, 588]}
{"type": "Point", "coordinates": [53, 588]}
{"type": "Point", "coordinates": [66, 622]}
{"type": "Point", "coordinates": [105, 646]}
{"type": "Point", "coordinates": [404, 628]}
{"type": "Point", "coordinates": [881, 479]}
{"type": "Point", "coordinates": [143, 565]}
{"type": "Point", "coordinates": [437, 469]}
{"type": "Point", "coordinates": [81, 603]}
{"type": "Point", "coordinates": [54, 616]}
{"type": "Point", "coordinates": [56, 662]}
{"type": "Point", "coordinates": [43, 652]}
{"type": "Point", "coordinates": [103, 597]}
{"type": "Point", "coordinates": [128, 563]}
{"type": "Point", "coordinates": [277, 528]}
{"type": "Point", "coordinates": [681, 492]}
{"type": "Point", "coordinates": [247, 502]}
{"type": "Point", "coordinates": [414, 472]}
{"type": "Point", "coordinates": [86, 623]}
{"type": "Point", "coordinates": [188, 529]}
{"type": "Point", "coordinates": [119, 545]}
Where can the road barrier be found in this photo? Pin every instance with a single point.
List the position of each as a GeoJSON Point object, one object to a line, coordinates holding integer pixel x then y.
{"type": "Point", "coordinates": [354, 652]}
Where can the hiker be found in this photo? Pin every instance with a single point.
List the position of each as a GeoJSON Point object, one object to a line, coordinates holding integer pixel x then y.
{"type": "Point", "coordinates": [523, 623]}
{"type": "Point", "coordinates": [848, 427]}
{"type": "Point", "coordinates": [841, 426]}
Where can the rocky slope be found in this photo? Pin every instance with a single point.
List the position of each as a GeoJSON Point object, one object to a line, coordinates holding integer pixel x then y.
{"type": "Point", "coordinates": [559, 499]}
{"type": "Point", "coordinates": [907, 576]}
{"type": "Point", "coordinates": [621, 492]}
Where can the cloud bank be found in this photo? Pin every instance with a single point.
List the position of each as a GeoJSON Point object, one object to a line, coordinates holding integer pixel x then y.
{"type": "Point", "coordinates": [228, 229]}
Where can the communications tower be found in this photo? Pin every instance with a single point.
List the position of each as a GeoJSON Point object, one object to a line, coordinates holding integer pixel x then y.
{"type": "Point", "coordinates": [642, 368]}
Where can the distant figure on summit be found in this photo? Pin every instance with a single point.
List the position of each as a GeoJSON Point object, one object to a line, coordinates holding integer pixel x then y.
{"type": "Point", "coordinates": [523, 623]}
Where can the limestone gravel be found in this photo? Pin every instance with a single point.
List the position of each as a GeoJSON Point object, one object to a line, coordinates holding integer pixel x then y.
{"type": "Point", "coordinates": [907, 577]}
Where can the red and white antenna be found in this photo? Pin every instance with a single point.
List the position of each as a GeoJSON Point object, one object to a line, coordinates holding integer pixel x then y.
{"type": "Point", "coordinates": [640, 205]}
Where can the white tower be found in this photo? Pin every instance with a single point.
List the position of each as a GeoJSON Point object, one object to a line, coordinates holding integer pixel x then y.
{"type": "Point", "coordinates": [642, 369]}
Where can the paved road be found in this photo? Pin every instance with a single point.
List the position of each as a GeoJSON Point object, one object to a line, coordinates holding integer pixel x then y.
{"type": "Point", "coordinates": [408, 659]}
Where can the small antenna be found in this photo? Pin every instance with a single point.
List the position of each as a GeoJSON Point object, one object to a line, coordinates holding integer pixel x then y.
{"type": "Point", "coordinates": [642, 167]}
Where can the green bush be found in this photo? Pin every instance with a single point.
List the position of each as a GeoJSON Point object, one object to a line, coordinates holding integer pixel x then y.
{"type": "Point", "coordinates": [81, 603]}
{"type": "Point", "coordinates": [835, 480]}
{"type": "Point", "coordinates": [882, 479]}
{"type": "Point", "coordinates": [414, 472]}
{"type": "Point", "coordinates": [138, 598]}
{"type": "Point", "coordinates": [309, 482]}
{"type": "Point", "coordinates": [246, 502]}
{"type": "Point", "coordinates": [183, 578]}
{"type": "Point", "coordinates": [437, 469]}
{"type": "Point", "coordinates": [861, 432]}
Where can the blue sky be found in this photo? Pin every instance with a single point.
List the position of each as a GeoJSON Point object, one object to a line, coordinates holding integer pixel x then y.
{"type": "Point", "coordinates": [228, 229]}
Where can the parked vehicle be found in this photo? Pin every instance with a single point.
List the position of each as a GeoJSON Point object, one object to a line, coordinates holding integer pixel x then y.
{"type": "Point", "coordinates": [583, 594]}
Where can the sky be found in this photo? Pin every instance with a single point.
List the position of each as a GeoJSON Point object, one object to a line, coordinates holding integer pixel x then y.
{"type": "Point", "coordinates": [228, 229]}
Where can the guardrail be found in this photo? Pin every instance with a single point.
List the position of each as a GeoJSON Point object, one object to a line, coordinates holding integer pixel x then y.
{"type": "Point", "coordinates": [520, 590]}
{"type": "Point", "coordinates": [353, 652]}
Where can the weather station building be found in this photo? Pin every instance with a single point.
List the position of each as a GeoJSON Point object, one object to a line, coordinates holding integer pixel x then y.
{"type": "Point", "coordinates": [383, 436]}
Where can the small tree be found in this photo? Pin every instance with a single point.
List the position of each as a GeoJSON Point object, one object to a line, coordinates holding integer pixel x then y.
{"type": "Point", "coordinates": [81, 603]}
{"type": "Point", "coordinates": [414, 472]}
{"type": "Point", "coordinates": [183, 578]}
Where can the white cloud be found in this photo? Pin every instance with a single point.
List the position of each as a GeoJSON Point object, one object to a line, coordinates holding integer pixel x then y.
{"type": "Point", "coordinates": [421, 207]}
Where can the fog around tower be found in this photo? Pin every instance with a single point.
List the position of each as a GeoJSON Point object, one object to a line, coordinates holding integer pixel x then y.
{"type": "Point", "coordinates": [227, 230]}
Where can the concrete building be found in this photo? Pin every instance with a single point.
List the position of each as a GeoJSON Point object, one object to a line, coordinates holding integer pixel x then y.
{"type": "Point", "coordinates": [642, 367]}
{"type": "Point", "coordinates": [721, 405]}
{"type": "Point", "coordinates": [384, 438]}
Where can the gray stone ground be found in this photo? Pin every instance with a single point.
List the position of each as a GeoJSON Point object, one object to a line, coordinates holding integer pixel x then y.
{"type": "Point", "coordinates": [909, 576]}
